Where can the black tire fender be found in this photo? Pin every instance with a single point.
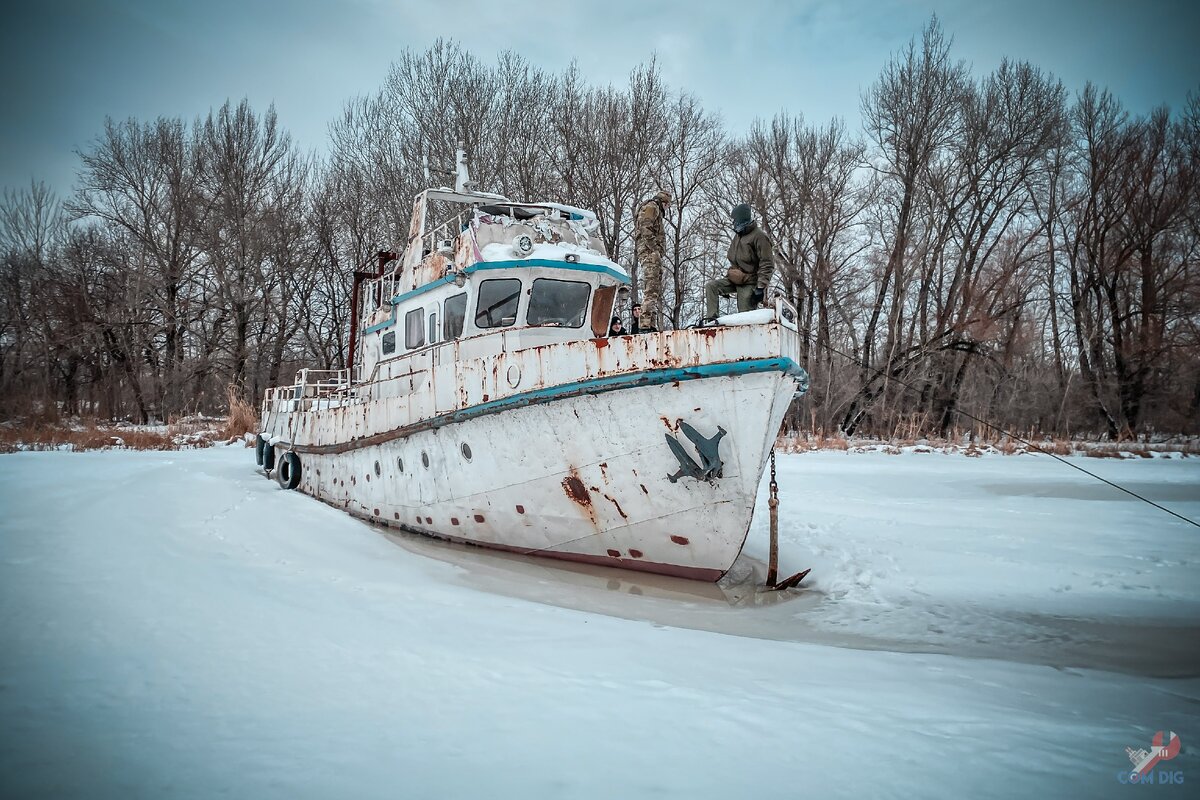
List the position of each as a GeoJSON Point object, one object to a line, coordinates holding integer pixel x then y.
{"type": "Point", "coordinates": [288, 473]}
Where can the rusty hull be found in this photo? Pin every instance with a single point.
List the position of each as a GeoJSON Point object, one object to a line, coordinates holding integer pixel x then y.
{"type": "Point", "coordinates": [577, 476]}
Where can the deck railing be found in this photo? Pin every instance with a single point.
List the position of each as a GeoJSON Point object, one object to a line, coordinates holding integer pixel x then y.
{"type": "Point", "coordinates": [313, 388]}
{"type": "Point", "coordinates": [450, 229]}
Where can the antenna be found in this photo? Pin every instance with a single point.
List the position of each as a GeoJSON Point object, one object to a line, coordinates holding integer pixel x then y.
{"type": "Point", "coordinates": [462, 178]}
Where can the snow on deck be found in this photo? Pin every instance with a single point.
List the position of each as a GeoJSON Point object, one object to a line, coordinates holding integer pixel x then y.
{"type": "Point", "coordinates": [499, 251]}
{"type": "Point", "coordinates": [174, 625]}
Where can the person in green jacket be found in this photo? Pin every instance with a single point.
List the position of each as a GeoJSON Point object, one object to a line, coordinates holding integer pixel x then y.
{"type": "Point", "coordinates": [751, 266]}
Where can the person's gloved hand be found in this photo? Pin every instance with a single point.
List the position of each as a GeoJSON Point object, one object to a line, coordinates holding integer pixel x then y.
{"type": "Point", "coordinates": [756, 297]}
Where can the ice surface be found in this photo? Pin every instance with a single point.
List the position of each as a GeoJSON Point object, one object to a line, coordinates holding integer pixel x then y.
{"type": "Point", "coordinates": [175, 625]}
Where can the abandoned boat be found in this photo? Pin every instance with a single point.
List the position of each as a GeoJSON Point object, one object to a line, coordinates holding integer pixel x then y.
{"type": "Point", "coordinates": [483, 402]}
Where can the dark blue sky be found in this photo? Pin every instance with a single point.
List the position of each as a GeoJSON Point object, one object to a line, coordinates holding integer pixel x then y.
{"type": "Point", "coordinates": [68, 63]}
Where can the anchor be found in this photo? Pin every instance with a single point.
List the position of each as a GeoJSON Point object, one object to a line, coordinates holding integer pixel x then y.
{"type": "Point", "coordinates": [773, 582]}
{"type": "Point", "coordinates": [711, 465]}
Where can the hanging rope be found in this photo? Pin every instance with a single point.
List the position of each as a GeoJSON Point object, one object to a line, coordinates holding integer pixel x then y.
{"type": "Point", "coordinates": [1030, 444]}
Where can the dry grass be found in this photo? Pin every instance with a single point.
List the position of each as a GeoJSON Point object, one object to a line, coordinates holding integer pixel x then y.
{"type": "Point", "coordinates": [90, 436]}
{"type": "Point", "coordinates": [975, 446]}
{"type": "Point", "coordinates": [805, 442]}
{"type": "Point", "coordinates": [242, 417]}
{"type": "Point", "coordinates": [43, 433]}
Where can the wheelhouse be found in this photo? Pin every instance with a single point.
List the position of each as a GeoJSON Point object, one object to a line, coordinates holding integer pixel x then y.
{"type": "Point", "coordinates": [479, 268]}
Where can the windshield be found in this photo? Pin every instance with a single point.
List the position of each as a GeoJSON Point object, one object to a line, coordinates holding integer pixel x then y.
{"type": "Point", "coordinates": [497, 303]}
{"type": "Point", "coordinates": [558, 302]}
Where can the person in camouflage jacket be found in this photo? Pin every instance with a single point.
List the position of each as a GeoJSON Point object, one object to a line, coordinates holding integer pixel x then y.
{"type": "Point", "coordinates": [650, 242]}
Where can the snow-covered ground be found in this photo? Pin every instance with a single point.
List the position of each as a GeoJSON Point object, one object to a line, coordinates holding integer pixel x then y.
{"type": "Point", "coordinates": [174, 625]}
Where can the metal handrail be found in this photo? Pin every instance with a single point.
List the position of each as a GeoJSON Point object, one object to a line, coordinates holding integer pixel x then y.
{"type": "Point", "coordinates": [449, 229]}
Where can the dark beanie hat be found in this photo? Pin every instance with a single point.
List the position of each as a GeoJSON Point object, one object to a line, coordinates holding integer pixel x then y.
{"type": "Point", "coordinates": [741, 214]}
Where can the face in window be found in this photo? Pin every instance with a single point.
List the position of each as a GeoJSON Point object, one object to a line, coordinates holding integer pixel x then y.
{"type": "Point", "coordinates": [496, 306]}
{"type": "Point", "coordinates": [561, 303]}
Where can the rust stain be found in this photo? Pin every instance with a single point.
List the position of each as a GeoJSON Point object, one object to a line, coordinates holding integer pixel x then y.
{"type": "Point", "coordinates": [679, 539]}
{"type": "Point", "coordinates": [578, 493]}
{"type": "Point", "coordinates": [600, 343]}
{"type": "Point", "coordinates": [620, 510]}
{"type": "Point", "coordinates": [520, 509]}
{"type": "Point", "coordinates": [635, 553]}
{"type": "Point", "coordinates": [479, 518]}
{"type": "Point", "coordinates": [615, 553]}
{"type": "Point", "coordinates": [576, 490]}
{"type": "Point", "coordinates": [429, 520]}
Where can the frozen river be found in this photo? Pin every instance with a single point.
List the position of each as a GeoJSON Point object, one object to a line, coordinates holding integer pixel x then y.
{"type": "Point", "coordinates": [174, 625]}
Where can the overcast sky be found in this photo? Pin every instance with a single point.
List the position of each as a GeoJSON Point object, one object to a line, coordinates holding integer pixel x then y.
{"type": "Point", "coordinates": [69, 63]}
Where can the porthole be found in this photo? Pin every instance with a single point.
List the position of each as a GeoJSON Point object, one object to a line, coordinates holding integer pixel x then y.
{"type": "Point", "coordinates": [424, 458]}
{"type": "Point", "coordinates": [466, 451]}
{"type": "Point", "coordinates": [400, 464]}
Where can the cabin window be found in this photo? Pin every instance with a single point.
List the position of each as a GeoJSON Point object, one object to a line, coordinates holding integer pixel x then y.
{"type": "Point", "coordinates": [389, 342]}
{"type": "Point", "coordinates": [456, 315]}
{"type": "Point", "coordinates": [561, 303]}
{"type": "Point", "coordinates": [414, 328]}
{"type": "Point", "coordinates": [497, 303]}
{"type": "Point", "coordinates": [433, 329]}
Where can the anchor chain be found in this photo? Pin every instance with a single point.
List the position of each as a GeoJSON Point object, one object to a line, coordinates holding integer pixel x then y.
{"type": "Point", "coordinates": [773, 504]}
{"type": "Point", "coordinates": [773, 563]}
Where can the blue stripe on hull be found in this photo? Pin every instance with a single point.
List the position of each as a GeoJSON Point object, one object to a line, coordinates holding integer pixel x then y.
{"type": "Point", "coordinates": [647, 378]}
{"type": "Point", "coordinates": [565, 391]}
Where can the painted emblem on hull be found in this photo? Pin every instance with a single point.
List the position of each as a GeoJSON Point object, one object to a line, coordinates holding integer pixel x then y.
{"type": "Point", "coordinates": [710, 465]}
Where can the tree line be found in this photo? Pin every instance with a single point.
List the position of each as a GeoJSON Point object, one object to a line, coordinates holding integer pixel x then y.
{"type": "Point", "coordinates": [983, 243]}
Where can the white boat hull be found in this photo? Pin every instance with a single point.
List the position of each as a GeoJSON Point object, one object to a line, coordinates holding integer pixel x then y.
{"type": "Point", "coordinates": [546, 479]}
{"type": "Point", "coordinates": [552, 448]}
